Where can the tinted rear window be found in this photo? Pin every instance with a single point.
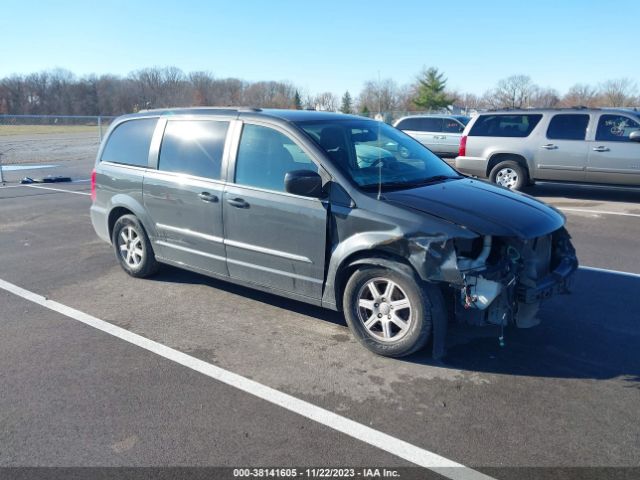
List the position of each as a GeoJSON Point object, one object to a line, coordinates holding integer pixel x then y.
{"type": "Point", "coordinates": [193, 147]}
{"type": "Point", "coordinates": [421, 124]}
{"type": "Point", "coordinates": [568, 127]}
{"type": "Point", "coordinates": [505, 125]}
{"type": "Point", "coordinates": [129, 142]}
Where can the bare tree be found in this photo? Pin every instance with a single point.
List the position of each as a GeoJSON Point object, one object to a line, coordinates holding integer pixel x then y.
{"type": "Point", "coordinates": [270, 94]}
{"type": "Point", "coordinates": [404, 98]}
{"type": "Point", "coordinates": [468, 101]}
{"type": "Point", "coordinates": [14, 94]}
{"type": "Point", "coordinates": [379, 96]}
{"type": "Point", "coordinates": [621, 92]}
{"type": "Point", "coordinates": [326, 101]}
{"type": "Point", "coordinates": [512, 92]}
{"type": "Point", "coordinates": [161, 87]}
{"type": "Point", "coordinates": [580, 95]}
{"type": "Point", "coordinates": [545, 98]}
{"type": "Point", "coordinates": [202, 84]}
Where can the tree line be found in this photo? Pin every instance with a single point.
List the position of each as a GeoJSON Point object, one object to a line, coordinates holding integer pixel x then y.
{"type": "Point", "coordinates": [60, 92]}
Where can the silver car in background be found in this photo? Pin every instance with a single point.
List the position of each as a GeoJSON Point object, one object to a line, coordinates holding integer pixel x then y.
{"type": "Point", "coordinates": [515, 148]}
{"type": "Point", "coordinates": [439, 133]}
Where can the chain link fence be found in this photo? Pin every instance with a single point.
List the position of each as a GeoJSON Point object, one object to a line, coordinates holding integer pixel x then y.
{"type": "Point", "coordinates": [50, 139]}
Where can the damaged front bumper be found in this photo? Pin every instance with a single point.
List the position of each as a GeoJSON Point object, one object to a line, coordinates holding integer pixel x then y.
{"type": "Point", "coordinates": [500, 280]}
{"type": "Point", "coordinates": [557, 282]}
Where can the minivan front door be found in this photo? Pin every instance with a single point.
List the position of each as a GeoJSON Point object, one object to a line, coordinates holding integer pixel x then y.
{"type": "Point", "coordinates": [273, 238]}
{"type": "Point", "coordinates": [184, 195]}
{"type": "Point", "coordinates": [613, 158]}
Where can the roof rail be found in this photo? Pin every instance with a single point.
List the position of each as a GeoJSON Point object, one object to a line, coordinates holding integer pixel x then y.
{"type": "Point", "coordinates": [234, 108]}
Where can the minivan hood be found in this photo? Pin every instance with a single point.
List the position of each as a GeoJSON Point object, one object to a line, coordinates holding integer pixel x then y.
{"type": "Point", "coordinates": [481, 207]}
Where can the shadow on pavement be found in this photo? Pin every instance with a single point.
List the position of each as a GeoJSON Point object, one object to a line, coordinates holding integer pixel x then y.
{"type": "Point", "coordinates": [585, 192]}
{"type": "Point", "coordinates": [592, 333]}
{"type": "Point", "coordinates": [176, 275]}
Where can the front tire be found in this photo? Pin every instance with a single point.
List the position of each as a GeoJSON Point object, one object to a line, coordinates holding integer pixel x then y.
{"type": "Point", "coordinates": [133, 248]}
{"type": "Point", "coordinates": [510, 174]}
{"type": "Point", "coordinates": [389, 312]}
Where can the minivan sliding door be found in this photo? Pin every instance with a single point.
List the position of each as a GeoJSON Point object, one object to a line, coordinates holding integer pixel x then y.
{"type": "Point", "coordinates": [183, 196]}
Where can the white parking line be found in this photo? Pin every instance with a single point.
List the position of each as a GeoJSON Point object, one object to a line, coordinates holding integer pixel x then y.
{"type": "Point", "coordinates": [83, 180]}
{"type": "Point", "coordinates": [606, 270]}
{"type": "Point", "coordinates": [56, 189]}
{"type": "Point", "coordinates": [597, 212]}
{"type": "Point", "coordinates": [388, 443]}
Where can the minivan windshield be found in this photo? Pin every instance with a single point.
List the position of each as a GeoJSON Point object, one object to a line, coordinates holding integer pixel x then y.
{"type": "Point", "coordinates": [375, 155]}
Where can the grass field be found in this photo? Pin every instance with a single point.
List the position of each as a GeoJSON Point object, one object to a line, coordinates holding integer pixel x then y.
{"type": "Point", "coordinates": [9, 130]}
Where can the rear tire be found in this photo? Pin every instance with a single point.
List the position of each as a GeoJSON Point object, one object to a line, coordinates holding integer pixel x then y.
{"type": "Point", "coordinates": [510, 174]}
{"type": "Point", "coordinates": [389, 312]}
{"type": "Point", "coordinates": [133, 248]}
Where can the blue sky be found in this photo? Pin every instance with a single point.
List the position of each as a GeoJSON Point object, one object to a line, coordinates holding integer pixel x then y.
{"type": "Point", "coordinates": [329, 45]}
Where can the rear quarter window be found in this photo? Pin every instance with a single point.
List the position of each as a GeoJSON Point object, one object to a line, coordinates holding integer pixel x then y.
{"type": "Point", "coordinates": [505, 125]}
{"type": "Point", "coordinates": [129, 143]}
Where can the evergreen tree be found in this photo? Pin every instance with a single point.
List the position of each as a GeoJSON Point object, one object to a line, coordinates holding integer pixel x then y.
{"type": "Point", "coordinates": [364, 111]}
{"type": "Point", "coordinates": [297, 101]}
{"type": "Point", "coordinates": [346, 103]}
{"type": "Point", "coordinates": [431, 93]}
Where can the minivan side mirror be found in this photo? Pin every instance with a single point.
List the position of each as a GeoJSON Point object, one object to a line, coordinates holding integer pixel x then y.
{"type": "Point", "coordinates": [635, 136]}
{"type": "Point", "coordinates": [306, 183]}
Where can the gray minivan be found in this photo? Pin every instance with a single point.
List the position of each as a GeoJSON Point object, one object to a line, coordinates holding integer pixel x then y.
{"type": "Point", "coordinates": [334, 210]}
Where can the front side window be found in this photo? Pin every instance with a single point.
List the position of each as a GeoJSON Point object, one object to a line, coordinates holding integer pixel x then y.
{"type": "Point", "coordinates": [374, 154]}
{"type": "Point", "coordinates": [265, 156]}
{"type": "Point", "coordinates": [568, 127]}
{"type": "Point", "coordinates": [193, 147]}
{"type": "Point", "coordinates": [501, 125]}
{"type": "Point", "coordinates": [129, 143]}
{"type": "Point", "coordinates": [615, 128]}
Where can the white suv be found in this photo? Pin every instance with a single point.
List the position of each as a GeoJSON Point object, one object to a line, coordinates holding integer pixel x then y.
{"type": "Point", "coordinates": [514, 148]}
{"type": "Point", "coordinates": [439, 133]}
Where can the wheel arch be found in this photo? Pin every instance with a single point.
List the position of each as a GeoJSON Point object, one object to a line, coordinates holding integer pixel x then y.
{"type": "Point", "coordinates": [496, 158]}
{"type": "Point", "coordinates": [124, 205]}
{"type": "Point", "coordinates": [380, 258]}
{"type": "Point", "coordinates": [373, 258]}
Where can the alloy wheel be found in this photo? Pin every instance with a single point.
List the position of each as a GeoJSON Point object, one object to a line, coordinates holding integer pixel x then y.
{"type": "Point", "coordinates": [384, 309]}
{"type": "Point", "coordinates": [130, 247]}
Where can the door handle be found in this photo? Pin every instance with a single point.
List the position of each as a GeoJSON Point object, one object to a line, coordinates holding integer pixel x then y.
{"type": "Point", "coordinates": [549, 146]}
{"type": "Point", "coordinates": [600, 149]}
{"type": "Point", "coordinates": [237, 202]}
{"type": "Point", "coordinates": [208, 197]}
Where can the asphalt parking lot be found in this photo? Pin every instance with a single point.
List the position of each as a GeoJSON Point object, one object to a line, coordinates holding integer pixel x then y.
{"type": "Point", "coordinates": [565, 394]}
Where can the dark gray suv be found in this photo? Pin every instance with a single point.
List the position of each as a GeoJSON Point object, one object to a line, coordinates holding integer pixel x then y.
{"type": "Point", "coordinates": [330, 209]}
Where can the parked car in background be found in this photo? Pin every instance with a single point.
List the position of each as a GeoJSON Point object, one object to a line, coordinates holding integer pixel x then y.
{"type": "Point", "coordinates": [516, 148]}
{"type": "Point", "coordinates": [334, 210]}
{"type": "Point", "coordinates": [439, 133]}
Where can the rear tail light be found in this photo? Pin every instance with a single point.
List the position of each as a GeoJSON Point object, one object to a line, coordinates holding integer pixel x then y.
{"type": "Point", "coordinates": [462, 151]}
{"type": "Point", "coordinates": [93, 185]}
